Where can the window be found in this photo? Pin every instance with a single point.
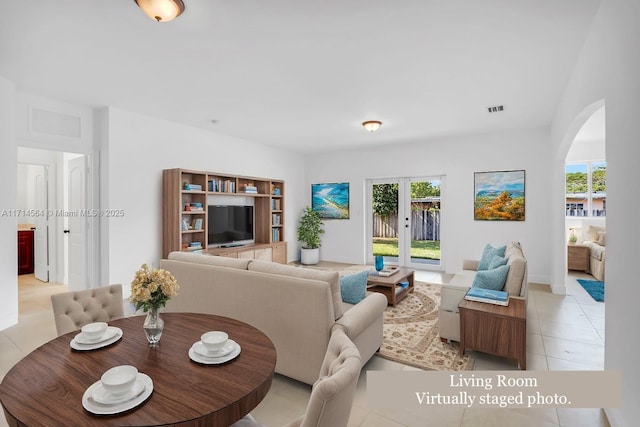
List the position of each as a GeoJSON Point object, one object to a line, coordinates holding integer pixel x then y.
{"type": "Point", "coordinates": [586, 189]}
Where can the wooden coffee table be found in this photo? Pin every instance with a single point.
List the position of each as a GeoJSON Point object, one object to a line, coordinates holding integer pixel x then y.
{"type": "Point", "coordinates": [389, 286]}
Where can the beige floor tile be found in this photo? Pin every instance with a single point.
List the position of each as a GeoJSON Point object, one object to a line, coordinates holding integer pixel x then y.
{"type": "Point", "coordinates": [583, 334]}
{"type": "Point", "coordinates": [537, 362]}
{"type": "Point", "coordinates": [556, 364]}
{"type": "Point", "coordinates": [534, 344]}
{"type": "Point", "coordinates": [375, 420]}
{"type": "Point", "coordinates": [582, 417]}
{"type": "Point", "coordinates": [574, 351]}
{"type": "Point", "coordinates": [436, 416]}
{"type": "Point", "coordinates": [480, 417]}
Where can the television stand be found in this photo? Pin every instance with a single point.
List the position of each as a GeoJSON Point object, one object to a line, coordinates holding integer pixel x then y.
{"type": "Point", "coordinates": [275, 252]}
{"type": "Point", "coordinates": [232, 245]}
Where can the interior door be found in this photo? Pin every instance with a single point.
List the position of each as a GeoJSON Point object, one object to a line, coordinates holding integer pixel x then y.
{"type": "Point", "coordinates": [77, 223]}
{"type": "Point", "coordinates": [41, 223]}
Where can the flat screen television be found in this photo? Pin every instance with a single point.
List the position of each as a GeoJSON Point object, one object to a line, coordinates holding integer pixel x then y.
{"type": "Point", "coordinates": [230, 225]}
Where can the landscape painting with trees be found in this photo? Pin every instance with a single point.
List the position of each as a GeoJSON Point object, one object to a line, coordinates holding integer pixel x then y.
{"type": "Point", "coordinates": [499, 196]}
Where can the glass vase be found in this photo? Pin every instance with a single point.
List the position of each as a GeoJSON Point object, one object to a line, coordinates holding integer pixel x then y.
{"type": "Point", "coordinates": [153, 326]}
{"type": "Point", "coordinates": [379, 262]}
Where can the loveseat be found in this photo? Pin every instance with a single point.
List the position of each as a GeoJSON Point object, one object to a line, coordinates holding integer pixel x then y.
{"type": "Point", "coordinates": [296, 307]}
{"type": "Point", "coordinates": [452, 293]}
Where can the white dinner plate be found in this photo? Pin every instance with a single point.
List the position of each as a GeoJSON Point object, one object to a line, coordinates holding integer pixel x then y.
{"type": "Point", "coordinates": [202, 350]}
{"type": "Point", "coordinates": [102, 396]}
{"type": "Point", "coordinates": [79, 346]}
{"type": "Point", "coordinates": [109, 333]}
{"type": "Point", "coordinates": [94, 407]}
{"type": "Point", "coordinates": [196, 357]}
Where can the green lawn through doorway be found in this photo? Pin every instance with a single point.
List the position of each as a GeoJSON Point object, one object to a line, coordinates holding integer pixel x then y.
{"type": "Point", "coordinates": [426, 249]}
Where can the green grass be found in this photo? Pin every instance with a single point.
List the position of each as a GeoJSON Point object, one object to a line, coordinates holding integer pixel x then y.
{"type": "Point", "coordinates": [427, 249]}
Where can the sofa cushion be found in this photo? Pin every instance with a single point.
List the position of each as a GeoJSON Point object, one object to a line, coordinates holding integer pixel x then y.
{"type": "Point", "coordinates": [330, 277]}
{"type": "Point", "coordinates": [516, 276]}
{"type": "Point", "coordinates": [601, 238]}
{"type": "Point", "coordinates": [592, 233]}
{"type": "Point", "coordinates": [353, 287]}
{"type": "Point", "coordinates": [209, 260]}
{"type": "Point", "coordinates": [488, 254]}
{"type": "Point", "coordinates": [497, 261]}
{"type": "Point", "coordinates": [491, 279]}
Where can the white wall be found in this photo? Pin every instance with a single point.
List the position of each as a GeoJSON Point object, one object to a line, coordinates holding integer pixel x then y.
{"type": "Point", "coordinates": [136, 149]}
{"type": "Point", "coordinates": [8, 199]}
{"type": "Point", "coordinates": [608, 70]}
{"type": "Point", "coordinates": [458, 159]}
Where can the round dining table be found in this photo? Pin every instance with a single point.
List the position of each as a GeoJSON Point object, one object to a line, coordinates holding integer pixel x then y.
{"type": "Point", "coordinates": [46, 387]}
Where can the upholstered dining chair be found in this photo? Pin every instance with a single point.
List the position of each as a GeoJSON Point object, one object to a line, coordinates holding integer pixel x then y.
{"type": "Point", "coordinates": [332, 395]}
{"type": "Point", "coordinates": [72, 310]}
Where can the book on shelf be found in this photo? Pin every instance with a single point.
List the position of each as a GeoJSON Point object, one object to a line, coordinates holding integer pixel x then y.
{"type": "Point", "coordinates": [487, 295]}
{"type": "Point", "coordinates": [192, 187]}
{"type": "Point", "coordinates": [197, 224]}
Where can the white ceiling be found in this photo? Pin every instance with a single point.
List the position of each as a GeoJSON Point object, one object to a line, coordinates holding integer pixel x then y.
{"type": "Point", "coordinates": [303, 74]}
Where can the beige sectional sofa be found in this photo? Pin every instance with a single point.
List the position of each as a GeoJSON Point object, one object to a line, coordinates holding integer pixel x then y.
{"type": "Point", "coordinates": [296, 307]}
{"type": "Point", "coordinates": [452, 293]}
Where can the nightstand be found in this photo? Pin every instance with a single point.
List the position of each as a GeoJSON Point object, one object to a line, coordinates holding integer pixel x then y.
{"type": "Point", "coordinates": [578, 257]}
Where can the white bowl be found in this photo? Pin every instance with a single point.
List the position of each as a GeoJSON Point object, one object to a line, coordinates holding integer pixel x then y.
{"type": "Point", "coordinates": [119, 379]}
{"type": "Point", "coordinates": [94, 330]}
{"type": "Point", "coordinates": [214, 341]}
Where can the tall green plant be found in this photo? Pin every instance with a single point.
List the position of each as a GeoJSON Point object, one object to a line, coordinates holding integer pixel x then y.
{"type": "Point", "coordinates": [310, 229]}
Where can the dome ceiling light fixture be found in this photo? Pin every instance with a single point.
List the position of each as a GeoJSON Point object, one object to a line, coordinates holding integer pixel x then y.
{"type": "Point", "coordinates": [161, 10]}
{"type": "Point", "coordinates": [372, 125]}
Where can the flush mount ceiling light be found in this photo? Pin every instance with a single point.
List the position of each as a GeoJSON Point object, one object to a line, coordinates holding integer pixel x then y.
{"type": "Point", "coordinates": [161, 10]}
{"type": "Point", "coordinates": [372, 125]}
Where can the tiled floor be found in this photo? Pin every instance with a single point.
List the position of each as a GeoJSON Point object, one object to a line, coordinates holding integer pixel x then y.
{"type": "Point", "coordinates": [564, 333]}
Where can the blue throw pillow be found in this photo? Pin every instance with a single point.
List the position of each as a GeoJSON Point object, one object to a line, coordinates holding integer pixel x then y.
{"type": "Point", "coordinates": [491, 279]}
{"type": "Point", "coordinates": [497, 261]}
{"type": "Point", "coordinates": [354, 287]}
{"type": "Point", "coordinates": [488, 254]}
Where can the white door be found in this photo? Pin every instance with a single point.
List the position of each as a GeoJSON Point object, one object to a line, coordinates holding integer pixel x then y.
{"type": "Point", "coordinates": [77, 224]}
{"type": "Point", "coordinates": [41, 223]}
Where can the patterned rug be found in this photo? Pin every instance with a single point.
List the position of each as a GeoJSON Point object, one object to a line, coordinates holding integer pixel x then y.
{"type": "Point", "coordinates": [411, 333]}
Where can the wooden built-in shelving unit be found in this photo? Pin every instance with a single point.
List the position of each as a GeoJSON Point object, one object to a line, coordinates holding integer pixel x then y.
{"type": "Point", "coordinates": [184, 223]}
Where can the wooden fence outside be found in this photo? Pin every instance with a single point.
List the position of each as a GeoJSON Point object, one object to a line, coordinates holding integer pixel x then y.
{"type": "Point", "coordinates": [425, 225]}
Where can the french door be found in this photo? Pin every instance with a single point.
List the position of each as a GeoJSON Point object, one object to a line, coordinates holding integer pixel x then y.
{"type": "Point", "coordinates": [405, 221]}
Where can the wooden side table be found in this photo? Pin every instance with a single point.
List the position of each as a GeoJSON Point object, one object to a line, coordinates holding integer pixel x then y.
{"type": "Point", "coordinates": [495, 329]}
{"type": "Point", "coordinates": [578, 257]}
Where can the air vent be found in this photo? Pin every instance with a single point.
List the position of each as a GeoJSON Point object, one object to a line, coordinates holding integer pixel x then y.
{"type": "Point", "coordinates": [496, 108]}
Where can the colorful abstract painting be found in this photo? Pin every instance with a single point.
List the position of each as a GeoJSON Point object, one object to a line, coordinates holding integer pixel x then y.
{"type": "Point", "coordinates": [499, 196]}
{"type": "Point", "coordinates": [331, 201]}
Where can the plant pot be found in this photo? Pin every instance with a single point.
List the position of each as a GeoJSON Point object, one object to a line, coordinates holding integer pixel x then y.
{"type": "Point", "coordinates": [309, 256]}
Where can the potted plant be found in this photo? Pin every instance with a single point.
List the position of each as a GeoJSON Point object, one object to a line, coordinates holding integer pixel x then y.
{"type": "Point", "coordinates": [572, 237]}
{"type": "Point", "coordinates": [309, 232]}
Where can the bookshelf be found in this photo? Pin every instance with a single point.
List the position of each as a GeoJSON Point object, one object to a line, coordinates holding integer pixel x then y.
{"type": "Point", "coordinates": [185, 195]}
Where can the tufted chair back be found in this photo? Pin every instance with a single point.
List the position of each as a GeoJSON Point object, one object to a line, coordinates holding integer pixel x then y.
{"type": "Point", "coordinates": [72, 310]}
{"type": "Point", "coordinates": [332, 395]}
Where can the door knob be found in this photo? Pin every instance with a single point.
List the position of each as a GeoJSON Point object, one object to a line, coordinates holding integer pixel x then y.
{"type": "Point", "coordinates": [66, 231]}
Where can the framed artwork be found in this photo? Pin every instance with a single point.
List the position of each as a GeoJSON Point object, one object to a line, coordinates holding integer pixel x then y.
{"type": "Point", "coordinates": [499, 196]}
{"type": "Point", "coordinates": [331, 201]}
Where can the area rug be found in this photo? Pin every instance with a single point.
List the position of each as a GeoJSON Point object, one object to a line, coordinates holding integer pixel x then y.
{"type": "Point", "coordinates": [595, 288]}
{"type": "Point", "coordinates": [411, 333]}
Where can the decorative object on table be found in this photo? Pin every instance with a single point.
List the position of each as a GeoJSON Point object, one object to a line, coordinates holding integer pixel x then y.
{"type": "Point", "coordinates": [199, 353]}
{"type": "Point", "coordinates": [595, 288]}
{"type": "Point", "coordinates": [499, 196]}
{"type": "Point", "coordinates": [97, 401]}
{"type": "Point", "coordinates": [81, 343]}
{"type": "Point", "coordinates": [490, 296]}
{"type": "Point", "coordinates": [330, 201]}
{"type": "Point", "coordinates": [411, 334]}
{"type": "Point", "coordinates": [379, 262]}
{"type": "Point", "coordinates": [150, 290]}
{"type": "Point", "coordinates": [309, 231]}
{"type": "Point", "coordinates": [573, 238]}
